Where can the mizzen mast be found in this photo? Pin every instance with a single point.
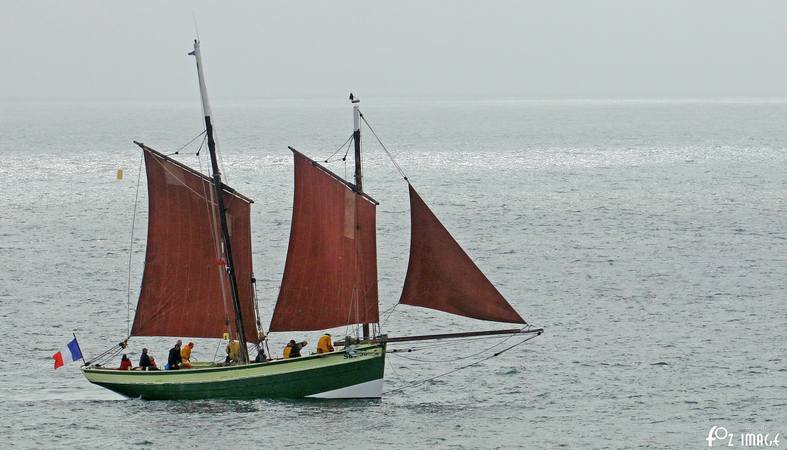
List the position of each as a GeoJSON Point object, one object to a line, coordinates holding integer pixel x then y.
{"type": "Point", "coordinates": [358, 170]}
{"type": "Point", "coordinates": [219, 195]}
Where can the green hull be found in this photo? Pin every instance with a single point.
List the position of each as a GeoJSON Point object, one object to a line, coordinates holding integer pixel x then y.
{"type": "Point", "coordinates": [330, 375]}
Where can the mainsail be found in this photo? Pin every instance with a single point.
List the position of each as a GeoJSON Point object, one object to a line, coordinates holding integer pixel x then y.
{"type": "Point", "coordinates": [441, 276]}
{"type": "Point", "coordinates": [185, 289]}
{"type": "Point", "coordinates": [330, 278]}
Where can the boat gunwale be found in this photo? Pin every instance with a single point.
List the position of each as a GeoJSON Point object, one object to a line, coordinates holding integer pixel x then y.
{"type": "Point", "coordinates": [106, 370]}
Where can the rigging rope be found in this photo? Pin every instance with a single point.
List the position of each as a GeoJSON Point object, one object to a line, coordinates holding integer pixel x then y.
{"type": "Point", "coordinates": [257, 307]}
{"type": "Point", "coordinates": [456, 359]}
{"type": "Point", "coordinates": [109, 353]}
{"type": "Point", "coordinates": [387, 314]}
{"type": "Point", "coordinates": [344, 158]}
{"type": "Point", "coordinates": [327, 160]}
{"type": "Point", "coordinates": [189, 142]}
{"type": "Point", "coordinates": [418, 383]}
{"type": "Point", "coordinates": [453, 342]}
{"type": "Point", "coordinates": [200, 148]}
{"type": "Point", "coordinates": [398, 167]}
{"type": "Point", "coordinates": [131, 247]}
{"type": "Point", "coordinates": [218, 346]}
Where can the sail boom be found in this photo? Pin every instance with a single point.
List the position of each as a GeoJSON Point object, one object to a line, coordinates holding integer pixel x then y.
{"type": "Point", "coordinates": [431, 337]}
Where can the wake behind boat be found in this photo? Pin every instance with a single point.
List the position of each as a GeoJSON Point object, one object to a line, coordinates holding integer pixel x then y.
{"type": "Point", "coordinates": [198, 281]}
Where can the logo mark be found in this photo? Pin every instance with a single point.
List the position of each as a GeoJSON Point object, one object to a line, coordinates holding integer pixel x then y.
{"type": "Point", "coordinates": [747, 439]}
{"type": "Point", "coordinates": [716, 433]}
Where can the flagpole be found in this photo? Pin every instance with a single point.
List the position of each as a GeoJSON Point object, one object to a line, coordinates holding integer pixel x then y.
{"type": "Point", "coordinates": [82, 355]}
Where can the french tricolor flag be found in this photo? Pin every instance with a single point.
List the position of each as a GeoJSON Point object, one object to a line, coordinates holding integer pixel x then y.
{"type": "Point", "coordinates": [69, 354]}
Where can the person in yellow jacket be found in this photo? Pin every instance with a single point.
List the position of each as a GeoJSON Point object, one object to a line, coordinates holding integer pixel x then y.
{"type": "Point", "coordinates": [185, 355]}
{"type": "Point", "coordinates": [233, 350]}
{"type": "Point", "coordinates": [324, 345]}
{"type": "Point", "coordinates": [293, 349]}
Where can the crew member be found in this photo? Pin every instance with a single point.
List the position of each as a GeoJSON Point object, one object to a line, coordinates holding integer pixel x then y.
{"type": "Point", "coordinates": [174, 359]}
{"type": "Point", "coordinates": [233, 351]}
{"type": "Point", "coordinates": [185, 355]}
{"type": "Point", "coordinates": [125, 363]}
{"type": "Point", "coordinates": [324, 345]}
{"type": "Point", "coordinates": [260, 355]}
{"type": "Point", "coordinates": [146, 361]}
{"type": "Point", "coordinates": [293, 349]}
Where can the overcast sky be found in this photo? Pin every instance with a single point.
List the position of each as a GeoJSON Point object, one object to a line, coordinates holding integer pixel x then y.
{"type": "Point", "coordinates": [440, 49]}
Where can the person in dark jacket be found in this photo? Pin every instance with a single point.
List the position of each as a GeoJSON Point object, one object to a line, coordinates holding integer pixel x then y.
{"type": "Point", "coordinates": [174, 360]}
{"type": "Point", "coordinates": [293, 349]}
{"type": "Point", "coordinates": [145, 361]}
{"type": "Point", "coordinates": [296, 349]}
{"type": "Point", "coordinates": [260, 356]}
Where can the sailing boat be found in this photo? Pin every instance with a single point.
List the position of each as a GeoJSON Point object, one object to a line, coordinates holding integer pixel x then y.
{"type": "Point", "coordinates": [198, 281]}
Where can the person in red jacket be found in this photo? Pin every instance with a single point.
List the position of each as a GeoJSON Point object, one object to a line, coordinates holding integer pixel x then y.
{"type": "Point", "coordinates": [125, 363]}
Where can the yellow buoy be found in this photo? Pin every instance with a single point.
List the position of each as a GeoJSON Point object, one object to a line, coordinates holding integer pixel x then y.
{"type": "Point", "coordinates": [120, 174]}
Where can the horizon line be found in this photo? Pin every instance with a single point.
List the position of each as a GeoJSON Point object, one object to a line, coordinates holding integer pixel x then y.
{"type": "Point", "coordinates": [777, 98]}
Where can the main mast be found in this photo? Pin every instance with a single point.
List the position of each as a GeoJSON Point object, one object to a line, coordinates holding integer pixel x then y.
{"type": "Point", "coordinates": [219, 194]}
{"type": "Point", "coordinates": [358, 172]}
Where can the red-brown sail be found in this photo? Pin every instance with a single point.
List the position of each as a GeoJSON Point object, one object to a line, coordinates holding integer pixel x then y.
{"type": "Point", "coordinates": [441, 276]}
{"type": "Point", "coordinates": [330, 278]}
{"type": "Point", "coordinates": [185, 289]}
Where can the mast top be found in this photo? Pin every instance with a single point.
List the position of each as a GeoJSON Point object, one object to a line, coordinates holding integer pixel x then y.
{"type": "Point", "coordinates": [203, 90]}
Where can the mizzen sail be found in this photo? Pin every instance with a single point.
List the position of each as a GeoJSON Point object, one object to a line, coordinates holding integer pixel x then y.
{"type": "Point", "coordinates": [185, 289]}
{"type": "Point", "coordinates": [441, 276]}
{"type": "Point", "coordinates": [330, 278]}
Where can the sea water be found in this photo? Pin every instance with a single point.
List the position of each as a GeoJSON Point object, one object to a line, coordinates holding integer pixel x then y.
{"type": "Point", "coordinates": [648, 238]}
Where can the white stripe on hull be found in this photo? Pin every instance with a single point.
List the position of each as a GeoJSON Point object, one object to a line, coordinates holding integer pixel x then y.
{"type": "Point", "coordinates": [369, 389]}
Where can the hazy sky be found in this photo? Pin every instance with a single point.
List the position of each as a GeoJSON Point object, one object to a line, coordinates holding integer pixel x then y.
{"type": "Point", "coordinates": [444, 49]}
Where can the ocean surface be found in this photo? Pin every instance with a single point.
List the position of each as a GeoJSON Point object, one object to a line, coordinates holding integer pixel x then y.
{"type": "Point", "coordinates": [649, 239]}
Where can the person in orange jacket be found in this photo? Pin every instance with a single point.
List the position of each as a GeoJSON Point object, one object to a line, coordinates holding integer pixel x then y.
{"type": "Point", "coordinates": [324, 345]}
{"type": "Point", "coordinates": [185, 355]}
{"type": "Point", "coordinates": [233, 352]}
